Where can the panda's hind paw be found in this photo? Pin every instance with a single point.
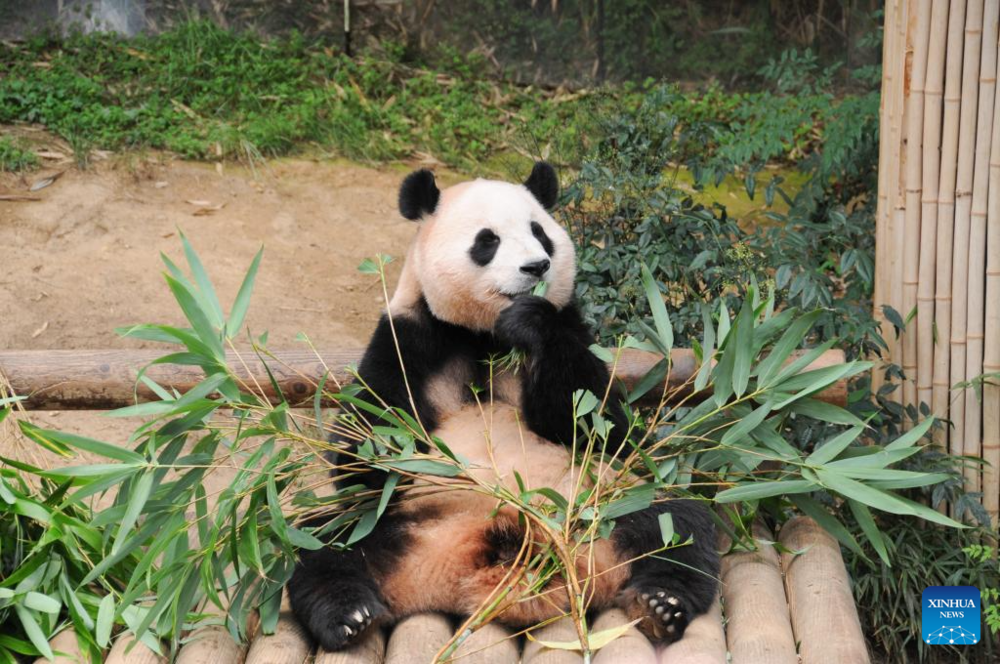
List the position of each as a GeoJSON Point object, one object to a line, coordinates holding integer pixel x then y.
{"type": "Point", "coordinates": [338, 621]}
{"type": "Point", "coordinates": [663, 616]}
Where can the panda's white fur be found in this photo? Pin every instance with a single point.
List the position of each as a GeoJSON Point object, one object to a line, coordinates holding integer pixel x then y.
{"type": "Point", "coordinates": [456, 305]}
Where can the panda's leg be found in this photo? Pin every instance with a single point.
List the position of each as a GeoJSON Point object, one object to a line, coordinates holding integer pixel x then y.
{"type": "Point", "coordinates": [667, 589]}
{"type": "Point", "coordinates": [334, 593]}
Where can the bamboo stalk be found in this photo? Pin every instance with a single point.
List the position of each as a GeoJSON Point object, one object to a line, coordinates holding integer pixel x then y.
{"type": "Point", "coordinates": [991, 349]}
{"type": "Point", "coordinates": [897, 235]}
{"type": "Point", "coordinates": [946, 218]}
{"type": "Point", "coordinates": [933, 107]}
{"type": "Point", "coordinates": [890, 169]}
{"type": "Point", "coordinates": [963, 220]}
{"type": "Point", "coordinates": [977, 235]}
{"type": "Point", "coordinates": [887, 160]}
{"type": "Point", "coordinates": [920, 12]}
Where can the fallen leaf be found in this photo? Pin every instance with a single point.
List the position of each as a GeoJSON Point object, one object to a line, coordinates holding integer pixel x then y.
{"type": "Point", "coordinates": [597, 639]}
{"type": "Point", "coordinates": [200, 203]}
{"type": "Point", "coordinates": [45, 182]}
{"type": "Point", "coordinates": [50, 154]}
{"type": "Point", "coordinates": [37, 333]}
{"type": "Point", "coordinates": [161, 184]}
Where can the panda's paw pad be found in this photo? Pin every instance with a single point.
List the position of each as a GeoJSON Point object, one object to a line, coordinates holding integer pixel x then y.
{"type": "Point", "coordinates": [666, 614]}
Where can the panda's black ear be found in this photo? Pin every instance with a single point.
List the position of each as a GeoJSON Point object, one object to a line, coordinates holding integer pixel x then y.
{"type": "Point", "coordinates": [543, 183]}
{"type": "Point", "coordinates": [418, 195]}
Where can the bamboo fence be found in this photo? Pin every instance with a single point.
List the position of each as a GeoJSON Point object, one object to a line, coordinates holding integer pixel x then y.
{"type": "Point", "coordinates": [939, 202]}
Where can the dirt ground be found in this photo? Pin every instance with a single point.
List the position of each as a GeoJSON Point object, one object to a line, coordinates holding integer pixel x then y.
{"type": "Point", "coordinates": [84, 258]}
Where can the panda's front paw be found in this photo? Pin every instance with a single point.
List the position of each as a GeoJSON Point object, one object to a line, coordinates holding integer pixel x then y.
{"type": "Point", "coordinates": [663, 615]}
{"type": "Point", "coordinates": [526, 322]}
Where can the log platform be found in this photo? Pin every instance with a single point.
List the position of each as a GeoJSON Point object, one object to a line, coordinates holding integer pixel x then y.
{"type": "Point", "coordinates": [774, 609]}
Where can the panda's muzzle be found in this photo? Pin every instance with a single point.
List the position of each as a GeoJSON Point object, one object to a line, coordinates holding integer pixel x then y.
{"type": "Point", "coordinates": [536, 268]}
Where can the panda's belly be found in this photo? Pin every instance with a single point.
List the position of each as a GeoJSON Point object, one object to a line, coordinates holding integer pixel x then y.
{"type": "Point", "coordinates": [497, 443]}
{"type": "Point", "coordinates": [463, 539]}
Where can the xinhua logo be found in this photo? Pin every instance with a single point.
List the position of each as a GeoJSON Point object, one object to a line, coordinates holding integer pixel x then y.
{"type": "Point", "coordinates": [951, 615]}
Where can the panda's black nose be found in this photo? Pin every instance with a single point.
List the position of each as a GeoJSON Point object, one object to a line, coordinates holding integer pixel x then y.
{"type": "Point", "coordinates": [537, 268]}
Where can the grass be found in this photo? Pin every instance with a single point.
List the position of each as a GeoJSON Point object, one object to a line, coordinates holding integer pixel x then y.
{"type": "Point", "coordinates": [15, 158]}
{"type": "Point", "coordinates": [207, 93]}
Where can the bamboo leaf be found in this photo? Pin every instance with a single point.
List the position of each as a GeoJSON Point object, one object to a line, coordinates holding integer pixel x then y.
{"type": "Point", "coordinates": [209, 300]}
{"type": "Point", "coordinates": [912, 436]}
{"type": "Point", "coordinates": [744, 348]}
{"type": "Point", "coordinates": [879, 499]}
{"type": "Point", "coordinates": [782, 350]}
{"type": "Point", "coordinates": [33, 631]}
{"type": "Point", "coordinates": [864, 518]}
{"type": "Point", "coordinates": [758, 490]}
{"type": "Point", "coordinates": [242, 302]}
{"type": "Point", "coordinates": [595, 640]}
{"type": "Point", "coordinates": [664, 330]}
{"type": "Point", "coordinates": [829, 450]}
{"type": "Point", "coordinates": [105, 620]}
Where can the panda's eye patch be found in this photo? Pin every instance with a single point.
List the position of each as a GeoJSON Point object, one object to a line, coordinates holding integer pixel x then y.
{"type": "Point", "coordinates": [484, 248]}
{"type": "Point", "coordinates": [543, 239]}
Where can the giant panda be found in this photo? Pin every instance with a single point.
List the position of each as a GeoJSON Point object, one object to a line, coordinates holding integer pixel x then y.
{"type": "Point", "coordinates": [465, 296]}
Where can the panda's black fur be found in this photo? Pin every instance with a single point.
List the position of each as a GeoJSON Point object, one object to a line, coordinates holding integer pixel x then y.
{"type": "Point", "coordinates": [337, 593]}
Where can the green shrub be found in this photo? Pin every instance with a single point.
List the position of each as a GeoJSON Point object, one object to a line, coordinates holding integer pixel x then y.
{"type": "Point", "coordinates": [14, 158]}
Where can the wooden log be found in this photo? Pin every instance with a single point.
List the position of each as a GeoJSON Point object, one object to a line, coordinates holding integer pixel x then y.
{"type": "Point", "coordinates": [704, 641]}
{"type": "Point", "coordinates": [211, 645]}
{"type": "Point", "coordinates": [105, 379]}
{"type": "Point", "coordinates": [66, 649]}
{"type": "Point", "coordinates": [490, 644]}
{"type": "Point", "coordinates": [369, 650]}
{"type": "Point", "coordinates": [629, 648]}
{"type": "Point", "coordinates": [418, 639]}
{"type": "Point", "coordinates": [560, 630]}
{"type": "Point", "coordinates": [946, 219]}
{"type": "Point", "coordinates": [963, 221]}
{"type": "Point", "coordinates": [991, 349]}
{"type": "Point", "coordinates": [824, 616]}
{"type": "Point", "coordinates": [976, 268]}
{"type": "Point", "coordinates": [758, 627]}
{"type": "Point", "coordinates": [288, 645]}
{"type": "Point", "coordinates": [124, 652]}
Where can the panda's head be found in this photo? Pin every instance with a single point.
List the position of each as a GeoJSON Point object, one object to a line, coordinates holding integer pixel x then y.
{"type": "Point", "coordinates": [483, 243]}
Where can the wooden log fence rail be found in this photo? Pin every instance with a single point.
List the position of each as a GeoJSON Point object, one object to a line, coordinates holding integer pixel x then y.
{"type": "Point", "coordinates": [778, 609]}
{"type": "Point", "coordinates": [107, 379]}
